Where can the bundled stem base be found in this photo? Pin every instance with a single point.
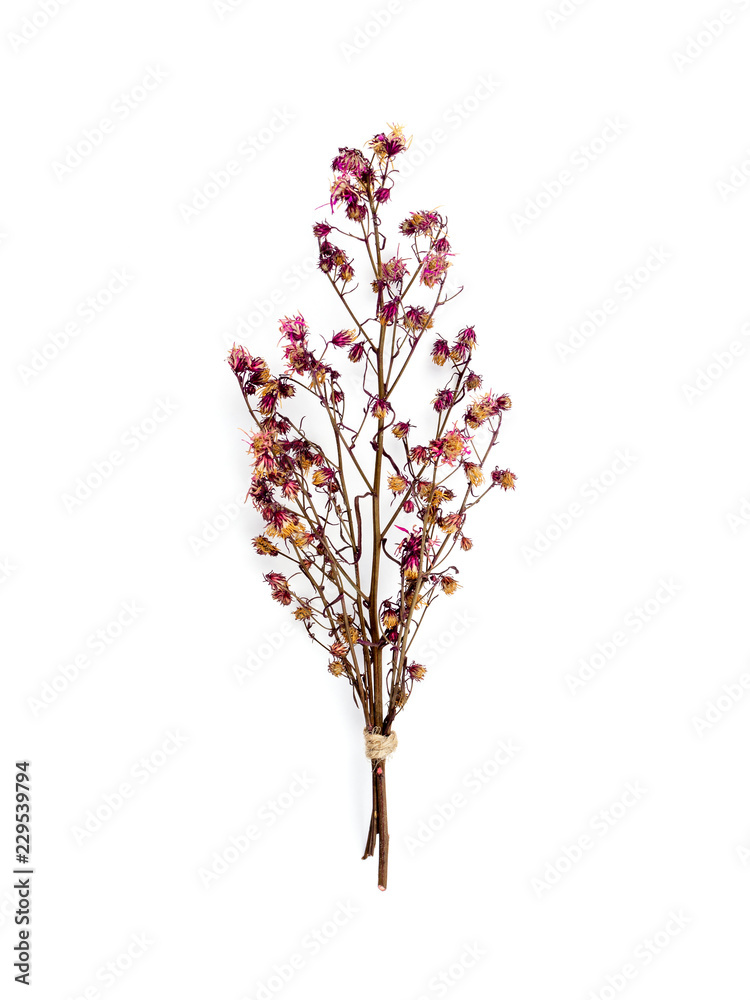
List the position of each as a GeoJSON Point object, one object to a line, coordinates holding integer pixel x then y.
{"type": "Point", "coordinates": [378, 747]}
{"type": "Point", "coordinates": [378, 832]}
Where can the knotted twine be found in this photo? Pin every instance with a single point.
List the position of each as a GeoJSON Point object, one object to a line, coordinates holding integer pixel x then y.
{"type": "Point", "coordinates": [378, 747]}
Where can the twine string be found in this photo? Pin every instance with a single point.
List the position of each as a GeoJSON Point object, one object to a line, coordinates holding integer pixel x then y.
{"type": "Point", "coordinates": [378, 747]}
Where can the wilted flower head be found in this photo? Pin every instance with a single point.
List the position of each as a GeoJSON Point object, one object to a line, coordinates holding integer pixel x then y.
{"type": "Point", "coordinates": [390, 144]}
{"type": "Point", "coordinates": [264, 547]}
{"type": "Point", "coordinates": [344, 338]}
{"type": "Point", "coordinates": [323, 476]}
{"type": "Point", "coordinates": [294, 329]}
{"type": "Point", "coordinates": [474, 473]}
{"type": "Point", "coordinates": [417, 318]}
{"type": "Point", "coordinates": [454, 445]}
{"type": "Point", "coordinates": [420, 223]}
{"type": "Point", "coordinates": [410, 549]}
{"type": "Point", "coordinates": [239, 359]}
{"type": "Point", "coordinates": [389, 310]}
{"type": "Point", "coordinates": [434, 268]}
{"type": "Point", "coordinates": [504, 478]}
{"type": "Point", "coordinates": [279, 587]}
{"type": "Point", "coordinates": [443, 400]}
{"type": "Point", "coordinates": [451, 522]}
{"type": "Point", "coordinates": [440, 351]}
{"type": "Point", "coordinates": [356, 351]}
{"type": "Point", "coordinates": [420, 454]}
{"type": "Point", "coordinates": [389, 618]}
{"type": "Point", "coordinates": [350, 161]}
{"type": "Point", "coordinates": [380, 408]}
{"type": "Point", "coordinates": [395, 269]}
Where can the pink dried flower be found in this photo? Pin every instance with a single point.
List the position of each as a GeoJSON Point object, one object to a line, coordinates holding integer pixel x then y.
{"type": "Point", "coordinates": [279, 587]}
{"type": "Point", "coordinates": [434, 268]}
{"type": "Point", "coordinates": [440, 352]}
{"type": "Point", "coordinates": [417, 318]}
{"type": "Point", "coordinates": [419, 223]}
{"type": "Point", "coordinates": [380, 408]}
{"type": "Point", "coordinates": [419, 454]}
{"type": "Point", "coordinates": [389, 310]}
{"type": "Point", "coordinates": [395, 269]}
{"type": "Point", "coordinates": [443, 400]}
{"type": "Point", "coordinates": [344, 338]}
{"type": "Point", "coordinates": [387, 146]}
{"type": "Point", "coordinates": [294, 329]}
{"type": "Point", "coordinates": [504, 478]}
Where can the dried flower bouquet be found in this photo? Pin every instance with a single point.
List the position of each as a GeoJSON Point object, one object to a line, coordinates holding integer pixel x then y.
{"type": "Point", "coordinates": [364, 507]}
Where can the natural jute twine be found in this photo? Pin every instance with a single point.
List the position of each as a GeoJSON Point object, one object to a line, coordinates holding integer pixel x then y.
{"type": "Point", "coordinates": [379, 747]}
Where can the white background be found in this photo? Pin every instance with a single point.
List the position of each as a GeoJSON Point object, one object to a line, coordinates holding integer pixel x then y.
{"type": "Point", "coordinates": [515, 95]}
